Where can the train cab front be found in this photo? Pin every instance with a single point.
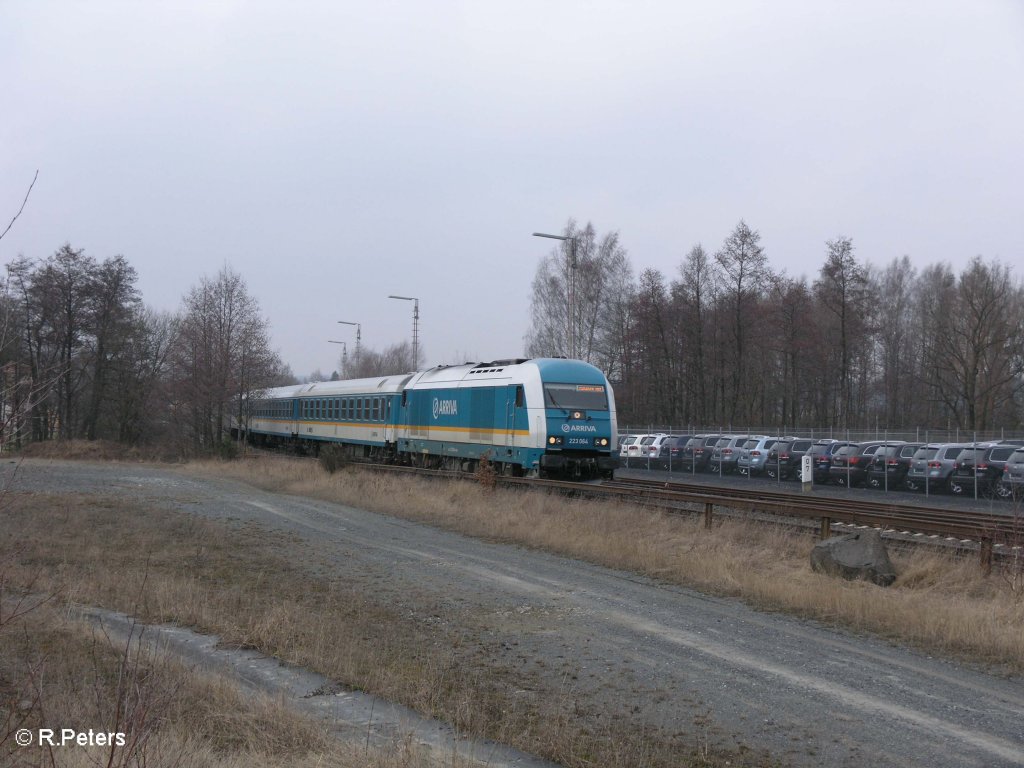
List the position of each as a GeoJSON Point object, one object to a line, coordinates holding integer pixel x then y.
{"type": "Point", "coordinates": [580, 440]}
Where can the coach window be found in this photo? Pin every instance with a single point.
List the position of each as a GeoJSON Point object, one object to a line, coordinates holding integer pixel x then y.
{"type": "Point", "coordinates": [520, 397]}
{"type": "Point", "coordinates": [376, 409]}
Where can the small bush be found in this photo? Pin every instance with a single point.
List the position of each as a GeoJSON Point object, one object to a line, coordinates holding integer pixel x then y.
{"type": "Point", "coordinates": [486, 475]}
{"type": "Point", "coordinates": [333, 458]}
{"type": "Point", "coordinates": [227, 449]}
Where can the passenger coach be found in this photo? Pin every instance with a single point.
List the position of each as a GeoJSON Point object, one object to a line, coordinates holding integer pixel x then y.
{"type": "Point", "coordinates": [543, 417]}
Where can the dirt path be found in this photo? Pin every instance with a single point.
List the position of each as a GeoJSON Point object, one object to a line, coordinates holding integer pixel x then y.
{"type": "Point", "coordinates": [622, 646]}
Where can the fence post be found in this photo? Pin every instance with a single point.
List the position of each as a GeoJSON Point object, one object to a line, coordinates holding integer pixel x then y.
{"type": "Point", "coordinates": [986, 555]}
{"type": "Point", "coordinates": [708, 512]}
{"type": "Point", "coordinates": [826, 527]}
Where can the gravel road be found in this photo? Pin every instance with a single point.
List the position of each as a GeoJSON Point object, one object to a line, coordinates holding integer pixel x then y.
{"type": "Point", "coordinates": [655, 655]}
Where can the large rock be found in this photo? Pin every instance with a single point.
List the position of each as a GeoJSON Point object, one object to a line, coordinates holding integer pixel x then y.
{"type": "Point", "coordinates": [855, 556]}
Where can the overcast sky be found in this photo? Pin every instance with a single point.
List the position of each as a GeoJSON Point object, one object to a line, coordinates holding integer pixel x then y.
{"type": "Point", "coordinates": [336, 152]}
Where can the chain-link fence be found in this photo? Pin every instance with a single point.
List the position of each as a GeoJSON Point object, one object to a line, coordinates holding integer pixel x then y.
{"type": "Point", "coordinates": [678, 464]}
{"type": "Point", "coordinates": [911, 435]}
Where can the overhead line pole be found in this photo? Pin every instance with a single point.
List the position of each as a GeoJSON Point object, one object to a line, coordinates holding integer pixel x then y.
{"type": "Point", "coordinates": [571, 239]}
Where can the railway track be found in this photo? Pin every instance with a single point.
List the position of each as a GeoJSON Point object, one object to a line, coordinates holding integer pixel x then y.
{"type": "Point", "coordinates": [989, 533]}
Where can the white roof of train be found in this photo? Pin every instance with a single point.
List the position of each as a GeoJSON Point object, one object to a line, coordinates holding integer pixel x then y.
{"type": "Point", "coordinates": [497, 369]}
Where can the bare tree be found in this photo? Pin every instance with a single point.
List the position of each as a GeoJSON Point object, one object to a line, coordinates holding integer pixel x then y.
{"type": "Point", "coordinates": [843, 292]}
{"type": "Point", "coordinates": [603, 280]}
{"type": "Point", "coordinates": [893, 294]}
{"type": "Point", "coordinates": [114, 307]}
{"type": "Point", "coordinates": [144, 406]}
{"type": "Point", "coordinates": [977, 364]}
{"type": "Point", "coordinates": [223, 354]}
{"type": "Point", "coordinates": [745, 277]}
{"type": "Point", "coordinates": [22, 208]}
{"type": "Point", "coordinates": [695, 294]}
{"type": "Point", "coordinates": [392, 360]}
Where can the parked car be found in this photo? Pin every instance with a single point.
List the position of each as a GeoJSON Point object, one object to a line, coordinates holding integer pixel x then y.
{"type": "Point", "coordinates": [981, 471]}
{"type": "Point", "coordinates": [890, 465]}
{"type": "Point", "coordinates": [634, 449]}
{"type": "Point", "coordinates": [1013, 475]}
{"type": "Point", "coordinates": [697, 452]}
{"type": "Point", "coordinates": [850, 463]}
{"type": "Point", "coordinates": [670, 453]}
{"type": "Point", "coordinates": [655, 448]}
{"type": "Point", "coordinates": [785, 457]}
{"type": "Point", "coordinates": [821, 455]}
{"type": "Point", "coordinates": [754, 455]}
{"type": "Point", "coordinates": [932, 466]}
{"type": "Point", "coordinates": [642, 447]}
{"type": "Point", "coordinates": [624, 441]}
{"type": "Point", "coordinates": [727, 453]}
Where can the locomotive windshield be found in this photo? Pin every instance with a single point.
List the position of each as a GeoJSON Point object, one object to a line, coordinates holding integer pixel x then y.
{"type": "Point", "coordinates": [586, 397]}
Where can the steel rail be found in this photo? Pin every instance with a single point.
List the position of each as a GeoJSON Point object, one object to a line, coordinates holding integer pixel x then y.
{"type": "Point", "coordinates": [987, 530]}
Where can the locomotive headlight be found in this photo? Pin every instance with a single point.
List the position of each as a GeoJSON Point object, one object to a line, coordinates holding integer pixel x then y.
{"type": "Point", "coordinates": [603, 442]}
{"type": "Point", "coordinates": [552, 440]}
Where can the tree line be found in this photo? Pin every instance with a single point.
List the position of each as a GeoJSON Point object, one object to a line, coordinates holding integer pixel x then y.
{"type": "Point", "coordinates": [82, 356]}
{"type": "Point", "coordinates": [729, 340]}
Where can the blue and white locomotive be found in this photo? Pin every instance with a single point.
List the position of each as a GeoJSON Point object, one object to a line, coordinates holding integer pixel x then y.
{"type": "Point", "coordinates": [543, 418]}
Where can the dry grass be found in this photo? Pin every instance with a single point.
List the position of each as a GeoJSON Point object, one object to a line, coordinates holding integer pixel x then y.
{"type": "Point", "coordinates": [239, 584]}
{"type": "Point", "coordinates": [98, 450]}
{"type": "Point", "coordinates": [940, 602]}
{"type": "Point", "coordinates": [59, 673]}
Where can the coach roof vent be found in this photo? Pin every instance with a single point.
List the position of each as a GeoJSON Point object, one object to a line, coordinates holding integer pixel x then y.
{"type": "Point", "coordinates": [510, 361]}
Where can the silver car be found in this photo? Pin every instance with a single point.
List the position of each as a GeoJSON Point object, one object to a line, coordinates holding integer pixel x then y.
{"type": "Point", "coordinates": [1013, 475]}
{"type": "Point", "coordinates": [727, 453]}
{"type": "Point", "coordinates": [933, 464]}
{"type": "Point", "coordinates": [754, 455]}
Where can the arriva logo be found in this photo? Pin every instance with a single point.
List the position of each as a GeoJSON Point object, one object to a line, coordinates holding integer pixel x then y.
{"type": "Point", "coordinates": [578, 428]}
{"type": "Point", "coordinates": [445, 408]}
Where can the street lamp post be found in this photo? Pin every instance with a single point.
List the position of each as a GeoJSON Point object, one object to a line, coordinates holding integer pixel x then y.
{"type": "Point", "coordinates": [415, 327]}
{"type": "Point", "coordinates": [344, 355]}
{"type": "Point", "coordinates": [359, 335]}
{"type": "Point", "coordinates": [572, 286]}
